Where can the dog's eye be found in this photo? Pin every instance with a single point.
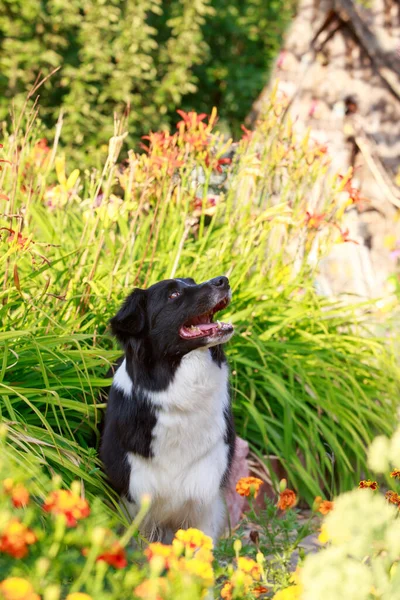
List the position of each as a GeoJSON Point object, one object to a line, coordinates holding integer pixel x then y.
{"type": "Point", "coordinates": [174, 295]}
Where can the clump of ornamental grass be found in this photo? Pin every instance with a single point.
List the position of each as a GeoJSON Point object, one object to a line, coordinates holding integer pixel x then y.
{"type": "Point", "coordinates": [311, 385]}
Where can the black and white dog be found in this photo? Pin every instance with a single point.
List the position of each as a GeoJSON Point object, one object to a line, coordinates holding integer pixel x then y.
{"type": "Point", "coordinates": [168, 428]}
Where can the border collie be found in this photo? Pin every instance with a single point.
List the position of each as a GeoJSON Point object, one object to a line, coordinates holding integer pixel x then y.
{"type": "Point", "coordinates": [168, 428]}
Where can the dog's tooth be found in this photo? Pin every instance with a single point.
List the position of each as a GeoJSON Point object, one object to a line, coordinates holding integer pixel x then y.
{"type": "Point", "coordinates": [219, 324]}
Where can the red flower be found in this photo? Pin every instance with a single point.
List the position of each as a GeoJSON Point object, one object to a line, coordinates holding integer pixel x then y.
{"type": "Point", "coordinates": [19, 494]}
{"type": "Point", "coordinates": [15, 539]}
{"type": "Point", "coordinates": [247, 134]}
{"type": "Point", "coordinates": [190, 119]}
{"type": "Point", "coordinates": [314, 220]}
{"type": "Point", "coordinates": [114, 556]}
{"type": "Point", "coordinates": [367, 483]}
{"type": "Point", "coordinates": [216, 163]}
{"type": "Point", "coordinates": [64, 502]}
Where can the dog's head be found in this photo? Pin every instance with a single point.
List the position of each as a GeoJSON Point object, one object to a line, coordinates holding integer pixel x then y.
{"type": "Point", "coordinates": [174, 316]}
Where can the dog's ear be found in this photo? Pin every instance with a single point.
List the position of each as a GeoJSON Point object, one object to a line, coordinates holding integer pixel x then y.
{"type": "Point", "coordinates": [130, 320]}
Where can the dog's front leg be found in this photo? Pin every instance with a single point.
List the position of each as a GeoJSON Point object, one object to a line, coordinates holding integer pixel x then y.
{"type": "Point", "coordinates": [212, 518]}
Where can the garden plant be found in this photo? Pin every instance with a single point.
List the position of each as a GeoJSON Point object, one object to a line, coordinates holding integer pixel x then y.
{"type": "Point", "coordinates": [312, 382]}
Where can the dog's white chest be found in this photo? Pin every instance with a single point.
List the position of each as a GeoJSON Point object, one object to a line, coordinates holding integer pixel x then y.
{"type": "Point", "coordinates": [190, 455]}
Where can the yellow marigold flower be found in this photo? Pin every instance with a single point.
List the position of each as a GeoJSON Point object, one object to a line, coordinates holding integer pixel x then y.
{"type": "Point", "coordinates": [194, 538]}
{"type": "Point", "coordinates": [395, 473]}
{"type": "Point", "coordinates": [249, 486]}
{"type": "Point", "coordinates": [226, 592]}
{"type": "Point", "coordinates": [291, 593]}
{"type": "Point", "coordinates": [151, 588]}
{"type": "Point", "coordinates": [198, 568]}
{"type": "Point", "coordinates": [160, 550]}
{"type": "Point", "coordinates": [16, 588]}
{"type": "Point", "coordinates": [15, 539]}
{"type": "Point", "coordinates": [325, 507]}
{"type": "Point", "coordinates": [323, 537]}
{"type": "Point", "coordinates": [69, 504]}
{"type": "Point", "coordinates": [248, 565]}
{"type": "Point", "coordinates": [78, 596]}
{"type": "Point", "coordinates": [367, 483]}
{"type": "Point", "coordinates": [287, 499]}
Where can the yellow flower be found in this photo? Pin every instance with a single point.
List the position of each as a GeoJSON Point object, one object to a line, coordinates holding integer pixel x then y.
{"type": "Point", "coordinates": [198, 568]}
{"type": "Point", "coordinates": [157, 549]}
{"type": "Point", "coordinates": [323, 537]}
{"type": "Point", "coordinates": [151, 588]}
{"type": "Point", "coordinates": [16, 588]}
{"type": "Point", "coordinates": [247, 565]}
{"type": "Point", "coordinates": [78, 596]}
{"type": "Point", "coordinates": [291, 593]}
{"type": "Point", "coordinates": [367, 483]}
{"type": "Point", "coordinates": [395, 473]}
{"type": "Point", "coordinates": [194, 538]}
{"type": "Point", "coordinates": [248, 486]}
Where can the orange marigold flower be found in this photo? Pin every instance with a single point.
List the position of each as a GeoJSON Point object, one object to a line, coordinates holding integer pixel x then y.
{"type": "Point", "coordinates": [248, 565]}
{"type": "Point", "coordinates": [114, 556]}
{"type": "Point", "coordinates": [18, 492]}
{"type": "Point", "coordinates": [15, 539]}
{"type": "Point", "coordinates": [226, 592]}
{"type": "Point", "coordinates": [367, 483]}
{"type": "Point", "coordinates": [17, 588]}
{"type": "Point", "coordinates": [151, 587]}
{"type": "Point", "coordinates": [393, 498]}
{"type": "Point", "coordinates": [65, 502]}
{"type": "Point", "coordinates": [78, 596]}
{"type": "Point", "coordinates": [194, 538]}
{"type": "Point", "coordinates": [395, 473]}
{"type": "Point", "coordinates": [325, 507]}
{"type": "Point", "coordinates": [247, 486]}
{"type": "Point", "coordinates": [287, 499]}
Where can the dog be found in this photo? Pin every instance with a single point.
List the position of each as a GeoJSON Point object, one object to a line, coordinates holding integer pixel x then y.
{"type": "Point", "coordinates": [168, 429]}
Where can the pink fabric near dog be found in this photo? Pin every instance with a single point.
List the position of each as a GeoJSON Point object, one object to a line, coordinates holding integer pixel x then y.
{"type": "Point", "coordinates": [240, 468]}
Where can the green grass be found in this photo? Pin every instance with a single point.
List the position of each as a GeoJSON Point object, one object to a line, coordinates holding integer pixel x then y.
{"type": "Point", "coordinates": [311, 385]}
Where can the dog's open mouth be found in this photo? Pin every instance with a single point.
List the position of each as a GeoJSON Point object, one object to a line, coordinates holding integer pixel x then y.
{"type": "Point", "coordinates": [204, 326]}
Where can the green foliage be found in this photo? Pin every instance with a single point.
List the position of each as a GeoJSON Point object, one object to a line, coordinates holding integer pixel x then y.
{"type": "Point", "coordinates": [310, 384]}
{"type": "Point", "coordinates": [243, 39]}
{"type": "Point", "coordinates": [147, 54]}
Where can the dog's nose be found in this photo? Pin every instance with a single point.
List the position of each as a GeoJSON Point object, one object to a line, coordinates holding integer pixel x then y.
{"type": "Point", "coordinates": [220, 281]}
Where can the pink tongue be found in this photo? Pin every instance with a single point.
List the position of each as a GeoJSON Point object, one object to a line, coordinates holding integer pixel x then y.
{"type": "Point", "coordinates": [206, 326]}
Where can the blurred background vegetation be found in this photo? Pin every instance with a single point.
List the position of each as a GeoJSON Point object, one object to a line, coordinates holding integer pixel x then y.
{"type": "Point", "coordinates": [151, 55]}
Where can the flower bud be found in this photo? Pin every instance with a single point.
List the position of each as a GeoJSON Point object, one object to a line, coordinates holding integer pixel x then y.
{"type": "Point", "coordinates": [42, 566]}
{"type": "Point", "coordinates": [52, 592]}
{"type": "Point", "coordinates": [237, 546]}
{"type": "Point", "coordinates": [282, 485]}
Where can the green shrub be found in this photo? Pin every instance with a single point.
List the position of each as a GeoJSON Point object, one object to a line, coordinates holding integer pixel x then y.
{"type": "Point", "coordinates": [310, 385]}
{"type": "Point", "coordinates": [149, 55]}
